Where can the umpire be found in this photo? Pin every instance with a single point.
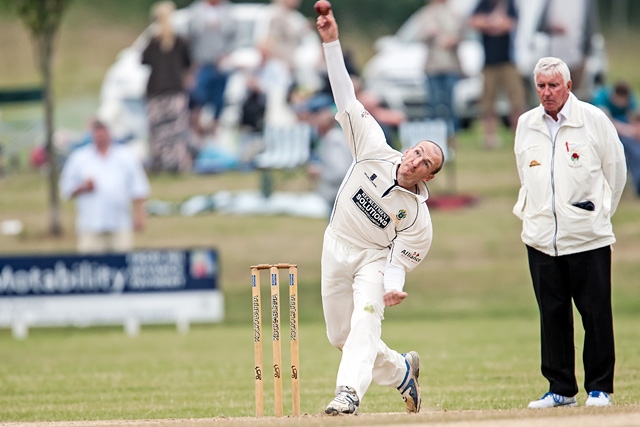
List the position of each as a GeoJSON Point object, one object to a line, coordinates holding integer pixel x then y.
{"type": "Point", "coordinates": [572, 172]}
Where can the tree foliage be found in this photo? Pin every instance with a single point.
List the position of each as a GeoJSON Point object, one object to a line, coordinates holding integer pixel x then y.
{"type": "Point", "coordinates": [42, 17]}
{"type": "Point", "coordinates": [374, 17]}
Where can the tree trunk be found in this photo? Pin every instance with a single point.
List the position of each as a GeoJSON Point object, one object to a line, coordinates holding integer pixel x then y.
{"type": "Point", "coordinates": [46, 49]}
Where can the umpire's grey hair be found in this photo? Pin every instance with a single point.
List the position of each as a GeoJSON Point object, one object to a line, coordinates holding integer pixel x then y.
{"type": "Point", "coordinates": [549, 66]}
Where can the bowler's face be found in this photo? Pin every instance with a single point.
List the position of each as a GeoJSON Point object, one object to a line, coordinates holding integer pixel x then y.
{"type": "Point", "coordinates": [419, 163]}
{"type": "Point", "coordinates": [553, 93]}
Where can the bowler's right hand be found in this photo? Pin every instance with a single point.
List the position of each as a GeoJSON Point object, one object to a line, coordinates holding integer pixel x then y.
{"type": "Point", "coordinates": [327, 27]}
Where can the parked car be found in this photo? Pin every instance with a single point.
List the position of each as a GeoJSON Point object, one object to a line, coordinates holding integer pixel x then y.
{"type": "Point", "coordinates": [396, 71]}
{"type": "Point", "coordinates": [123, 88]}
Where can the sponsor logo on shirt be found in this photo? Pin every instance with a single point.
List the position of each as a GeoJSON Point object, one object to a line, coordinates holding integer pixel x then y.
{"type": "Point", "coordinates": [402, 214]}
{"type": "Point", "coordinates": [371, 178]}
{"type": "Point", "coordinates": [413, 256]}
{"type": "Point", "coordinates": [365, 114]}
{"type": "Point", "coordinates": [370, 208]}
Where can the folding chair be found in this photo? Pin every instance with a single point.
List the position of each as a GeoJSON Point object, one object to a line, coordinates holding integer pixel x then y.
{"type": "Point", "coordinates": [285, 147]}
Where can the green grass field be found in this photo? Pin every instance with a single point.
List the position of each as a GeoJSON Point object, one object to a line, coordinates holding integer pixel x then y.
{"type": "Point", "coordinates": [471, 313]}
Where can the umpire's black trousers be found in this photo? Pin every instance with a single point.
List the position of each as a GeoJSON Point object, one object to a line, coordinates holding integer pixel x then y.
{"type": "Point", "coordinates": [584, 277]}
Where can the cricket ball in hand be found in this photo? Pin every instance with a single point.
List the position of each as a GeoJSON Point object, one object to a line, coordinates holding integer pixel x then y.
{"type": "Point", "coordinates": [322, 7]}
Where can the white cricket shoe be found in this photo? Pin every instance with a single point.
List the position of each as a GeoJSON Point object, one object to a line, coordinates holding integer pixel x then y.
{"type": "Point", "coordinates": [410, 389]}
{"type": "Point", "coordinates": [598, 398]}
{"type": "Point", "coordinates": [345, 402]}
{"type": "Point", "coordinates": [551, 400]}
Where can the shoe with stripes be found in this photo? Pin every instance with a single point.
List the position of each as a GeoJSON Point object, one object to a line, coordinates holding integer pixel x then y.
{"type": "Point", "coordinates": [598, 398]}
{"type": "Point", "coordinates": [346, 402]}
{"type": "Point", "coordinates": [551, 400]}
{"type": "Point", "coordinates": [410, 389]}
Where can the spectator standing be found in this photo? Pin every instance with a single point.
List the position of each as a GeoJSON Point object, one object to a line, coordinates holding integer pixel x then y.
{"type": "Point", "coordinates": [286, 32]}
{"type": "Point", "coordinates": [168, 56]}
{"type": "Point", "coordinates": [620, 104]}
{"type": "Point", "coordinates": [212, 35]}
{"type": "Point", "coordinates": [495, 20]}
{"type": "Point", "coordinates": [287, 28]}
{"type": "Point", "coordinates": [572, 173]}
{"type": "Point", "coordinates": [570, 25]}
{"type": "Point", "coordinates": [106, 179]}
{"type": "Point", "coordinates": [441, 29]}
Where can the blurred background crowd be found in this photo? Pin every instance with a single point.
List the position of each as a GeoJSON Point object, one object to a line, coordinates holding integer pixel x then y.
{"type": "Point", "coordinates": [215, 85]}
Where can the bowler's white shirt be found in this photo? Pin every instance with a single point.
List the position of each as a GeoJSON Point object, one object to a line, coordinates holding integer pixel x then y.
{"type": "Point", "coordinates": [118, 179]}
{"type": "Point", "coordinates": [371, 210]}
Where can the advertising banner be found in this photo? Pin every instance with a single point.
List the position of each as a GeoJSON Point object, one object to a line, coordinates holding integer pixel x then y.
{"type": "Point", "coordinates": [151, 286]}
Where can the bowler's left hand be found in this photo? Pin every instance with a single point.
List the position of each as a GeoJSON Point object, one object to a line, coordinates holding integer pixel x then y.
{"type": "Point", "coordinates": [394, 297]}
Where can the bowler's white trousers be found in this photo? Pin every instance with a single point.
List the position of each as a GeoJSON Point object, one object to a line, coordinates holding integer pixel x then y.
{"type": "Point", "coordinates": [352, 290]}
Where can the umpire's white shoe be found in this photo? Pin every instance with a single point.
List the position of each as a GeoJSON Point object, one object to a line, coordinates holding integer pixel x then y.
{"type": "Point", "coordinates": [598, 398]}
{"type": "Point", "coordinates": [410, 389]}
{"type": "Point", "coordinates": [345, 402]}
{"type": "Point", "coordinates": [551, 400]}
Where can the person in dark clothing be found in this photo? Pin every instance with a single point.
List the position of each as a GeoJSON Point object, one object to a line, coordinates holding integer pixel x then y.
{"type": "Point", "coordinates": [495, 20]}
{"type": "Point", "coordinates": [169, 59]}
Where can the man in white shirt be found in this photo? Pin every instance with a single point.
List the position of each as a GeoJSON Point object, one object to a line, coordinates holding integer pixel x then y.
{"type": "Point", "coordinates": [105, 179]}
{"type": "Point", "coordinates": [379, 229]}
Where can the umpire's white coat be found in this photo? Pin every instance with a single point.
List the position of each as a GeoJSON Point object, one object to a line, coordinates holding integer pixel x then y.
{"type": "Point", "coordinates": [584, 162]}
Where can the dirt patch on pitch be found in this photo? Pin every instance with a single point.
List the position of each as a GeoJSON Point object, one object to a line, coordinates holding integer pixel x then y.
{"type": "Point", "coordinates": [618, 416]}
